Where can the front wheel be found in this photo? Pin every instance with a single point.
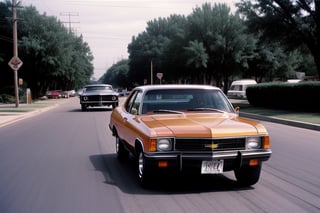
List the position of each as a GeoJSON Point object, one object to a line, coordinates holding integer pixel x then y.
{"type": "Point", "coordinates": [248, 175]}
{"type": "Point", "coordinates": [121, 151]}
{"type": "Point", "coordinates": [114, 105]}
{"type": "Point", "coordinates": [84, 107]}
{"type": "Point", "coordinates": [143, 172]}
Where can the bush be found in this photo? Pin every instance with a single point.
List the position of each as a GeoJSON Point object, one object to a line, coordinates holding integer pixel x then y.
{"type": "Point", "coordinates": [7, 94]}
{"type": "Point", "coordinates": [5, 98]}
{"type": "Point", "coordinates": [295, 96]}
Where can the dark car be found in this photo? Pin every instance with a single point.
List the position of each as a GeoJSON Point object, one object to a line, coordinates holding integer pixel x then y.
{"type": "Point", "coordinates": [98, 95]}
{"type": "Point", "coordinates": [188, 129]}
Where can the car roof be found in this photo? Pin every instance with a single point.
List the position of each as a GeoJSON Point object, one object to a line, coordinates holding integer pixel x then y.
{"type": "Point", "coordinates": [244, 81]}
{"type": "Point", "coordinates": [175, 86]}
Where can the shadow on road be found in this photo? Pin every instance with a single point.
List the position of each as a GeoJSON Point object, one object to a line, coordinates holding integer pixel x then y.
{"type": "Point", "coordinates": [124, 176]}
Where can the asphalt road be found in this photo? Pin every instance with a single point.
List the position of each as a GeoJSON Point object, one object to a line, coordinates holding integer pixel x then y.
{"type": "Point", "coordinates": [63, 160]}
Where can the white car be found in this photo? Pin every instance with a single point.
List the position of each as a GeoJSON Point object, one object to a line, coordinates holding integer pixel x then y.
{"type": "Point", "coordinates": [238, 88]}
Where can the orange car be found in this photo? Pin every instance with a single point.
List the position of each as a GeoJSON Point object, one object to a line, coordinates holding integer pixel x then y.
{"type": "Point", "coordinates": [188, 128]}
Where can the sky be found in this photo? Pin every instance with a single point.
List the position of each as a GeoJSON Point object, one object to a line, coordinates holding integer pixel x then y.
{"type": "Point", "coordinates": [109, 25]}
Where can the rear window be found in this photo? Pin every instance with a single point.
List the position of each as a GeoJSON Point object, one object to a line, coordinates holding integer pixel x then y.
{"type": "Point", "coordinates": [236, 87]}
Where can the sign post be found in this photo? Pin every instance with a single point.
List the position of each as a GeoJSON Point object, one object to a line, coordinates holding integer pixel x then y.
{"type": "Point", "coordinates": [15, 63]}
{"type": "Point", "coordinates": [160, 75]}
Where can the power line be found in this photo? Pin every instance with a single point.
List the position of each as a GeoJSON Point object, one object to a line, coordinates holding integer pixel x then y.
{"type": "Point", "coordinates": [69, 14]}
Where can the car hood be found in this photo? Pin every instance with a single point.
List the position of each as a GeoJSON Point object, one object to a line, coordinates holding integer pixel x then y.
{"type": "Point", "coordinates": [201, 125]}
{"type": "Point", "coordinates": [99, 92]}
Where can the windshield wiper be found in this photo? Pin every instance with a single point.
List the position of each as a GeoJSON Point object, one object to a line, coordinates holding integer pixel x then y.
{"type": "Point", "coordinates": [167, 111]}
{"type": "Point", "coordinates": [206, 109]}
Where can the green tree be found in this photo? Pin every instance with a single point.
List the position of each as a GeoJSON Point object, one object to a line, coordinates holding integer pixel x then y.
{"type": "Point", "coordinates": [53, 57]}
{"type": "Point", "coordinates": [162, 43]}
{"type": "Point", "coordinates": [296, 21]}
{"type": "Point", "coordinates": [225, 39]}
{"type": "Point", "coordinates": [117, 75]}
{"type": "Point", "coordinates": [6, 43]}
{"type": "Point", "coordinates": [197, 56]}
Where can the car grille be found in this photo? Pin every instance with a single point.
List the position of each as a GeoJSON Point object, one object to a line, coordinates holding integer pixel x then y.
{"type": "Point", "coordinates": [191, 144]}
{"type": "Point", "coordinates": [100, 98]}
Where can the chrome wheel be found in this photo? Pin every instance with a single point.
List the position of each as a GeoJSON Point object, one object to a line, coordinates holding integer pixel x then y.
{"type": "Point", "coordinates": [140, 166]}
{"type": "Point", "coordinates": [121, 151]}
{"type": "Point", "coordinates": [117, 145]}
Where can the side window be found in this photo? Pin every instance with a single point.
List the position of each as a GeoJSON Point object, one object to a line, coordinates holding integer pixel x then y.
{"type": "Point", "coordinates": [134, 102]}
{"type": "Point", "coordinates": [131, 99]}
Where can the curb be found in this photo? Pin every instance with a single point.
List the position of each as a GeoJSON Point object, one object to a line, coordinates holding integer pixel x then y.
{"type": "Point", "coordinates": [281, 121]}
{"type": "Point", "coordinates": [22, 116]}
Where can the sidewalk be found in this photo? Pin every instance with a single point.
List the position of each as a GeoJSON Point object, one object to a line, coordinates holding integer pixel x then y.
{"type": "Point", "coordinates": [9, 113]}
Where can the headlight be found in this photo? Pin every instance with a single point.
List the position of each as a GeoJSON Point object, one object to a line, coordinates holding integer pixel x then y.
{"type": "Point", "coordinates": [253, 143]}
{"type": "Point", "coordinates": [164, 144]}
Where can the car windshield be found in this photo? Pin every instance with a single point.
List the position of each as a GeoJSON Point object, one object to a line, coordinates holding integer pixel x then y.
{"type": "Point", "coordinates": [185, 100]}
{"type": "Point", "coordinates": [92, 88]}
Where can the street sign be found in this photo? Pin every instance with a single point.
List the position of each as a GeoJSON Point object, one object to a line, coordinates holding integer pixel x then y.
{"type": "Point", "coordinates": [160, 75]}
{"type": "Point", "coordinates": [15, 63]}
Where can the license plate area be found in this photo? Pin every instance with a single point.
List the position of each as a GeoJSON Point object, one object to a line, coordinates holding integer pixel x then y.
{"type": "Point", "coordinates": [212, 167]}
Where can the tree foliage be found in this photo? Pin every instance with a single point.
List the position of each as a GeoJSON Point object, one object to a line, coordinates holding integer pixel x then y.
{"type": "Point", "coordinates": [117, 75]}
{"type": "Point", "coordinates": [212, 44]}
{"type": "Point", "coordinates": [293, 22]}
{"type": "Point", "coordinates": [53, 57]}
{"type": "Point", "coordinates": [225, 39]}
{"type": "Point", "coordinates": [197, 55]}
{"type": "Point", "coordinates": [209, 44]}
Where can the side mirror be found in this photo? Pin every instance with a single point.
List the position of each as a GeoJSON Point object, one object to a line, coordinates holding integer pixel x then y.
{"type": "Point", "coordinates": [237, 110]}
{"type": "Point", "coordinates": [134, 111]}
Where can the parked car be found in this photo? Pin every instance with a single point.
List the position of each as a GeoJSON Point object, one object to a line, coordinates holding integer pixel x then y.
{"type": "Point", "coordinates": [54, 94]}
{"type": "Point", "coordinates": [98, 95]}
{"type": "Point", "coordinates": [188, 129]}
{"type": "Point", "coordinates": [238, 88]}
{"type": "Point", "coordinates": [65, 94]}
{"type": "Point", "coordinates": [123, 92]}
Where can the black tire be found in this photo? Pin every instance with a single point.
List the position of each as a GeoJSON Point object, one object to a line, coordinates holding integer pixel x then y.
{"type": "Point", "coordinates": [114, 105]}
{"type": "Point", "coordinates": [248, 175]}
{"type": "Point", "coordinates": [143, 173]}
{"type": "Point", "coordinates": [83, 107]}
{"type": "Point", "coordinates": [122, 153]}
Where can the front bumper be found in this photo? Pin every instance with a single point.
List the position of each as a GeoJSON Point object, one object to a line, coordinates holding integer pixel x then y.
{"type": "Point", "coordinates": [98, 103]}
{"type": "Point", "coordinates": [98, 100]}
{"type": "Point", "coordinates": [191, 161]}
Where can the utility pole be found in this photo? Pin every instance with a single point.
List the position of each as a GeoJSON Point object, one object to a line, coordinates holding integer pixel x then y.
{"type": "Point", "coordinates": [15, 63]}
{"type": "Point", "coordinates": [69, 14]}
{"type": "Point", "coordinates": [151, 73]}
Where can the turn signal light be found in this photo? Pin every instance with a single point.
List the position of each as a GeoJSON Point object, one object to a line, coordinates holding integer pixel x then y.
{"type": "Point", "coordinates": [163, 164]}
{"type": "Point", "coordinates": [266, 142]}
{"type": "Point", "coordinates": [153, 145]}
{"type": "Point", "coordinates": [254, 162]}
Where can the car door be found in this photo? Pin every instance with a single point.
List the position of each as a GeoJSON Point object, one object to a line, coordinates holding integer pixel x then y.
{"type": "Point", "coordinates": [130, 117]}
